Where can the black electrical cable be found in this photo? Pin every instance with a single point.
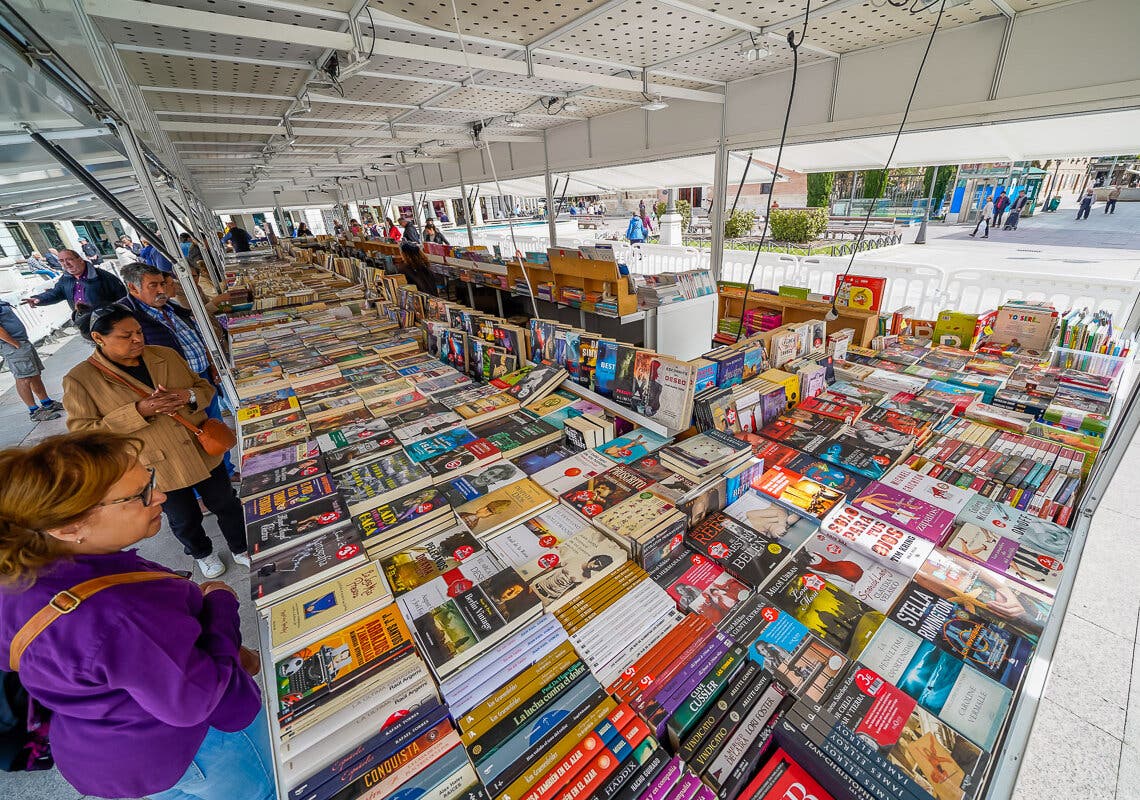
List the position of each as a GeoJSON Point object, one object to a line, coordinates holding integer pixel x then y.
{"type": "Point", "coordinates": [371, 24]}
{"type": "Point", "coordinates": [795, 45]}
{"type": "Point", "coordinates": [886, 167]}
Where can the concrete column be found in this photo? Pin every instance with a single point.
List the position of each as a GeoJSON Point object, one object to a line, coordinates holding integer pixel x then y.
{"type": "Point", "coordinates": [670, 222]}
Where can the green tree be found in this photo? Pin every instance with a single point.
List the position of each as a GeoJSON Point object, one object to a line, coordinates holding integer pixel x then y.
{"type": "Point", "coordinates": [819, 188]}
{"type": "Point", "coordinates": [874, 182]}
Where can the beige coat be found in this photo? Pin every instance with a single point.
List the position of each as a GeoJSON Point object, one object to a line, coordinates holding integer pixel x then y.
{"type": "Point", "coordinates": [96, 402]}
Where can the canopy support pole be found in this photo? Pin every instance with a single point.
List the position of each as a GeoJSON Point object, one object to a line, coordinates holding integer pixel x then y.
{"type": "Point", "coordinates": [466, 202]}
{"type": "Point", "coordinates": [720, 197]}
{"type": "Point", "coordinates": [551, 212]}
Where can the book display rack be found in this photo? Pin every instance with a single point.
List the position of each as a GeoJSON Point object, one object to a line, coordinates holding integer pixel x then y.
{"type": "Point", "coordinates": [516, 560]}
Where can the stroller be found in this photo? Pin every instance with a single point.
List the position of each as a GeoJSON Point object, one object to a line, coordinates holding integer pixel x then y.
{"type": "Point", "coordinates": [1011, 220]}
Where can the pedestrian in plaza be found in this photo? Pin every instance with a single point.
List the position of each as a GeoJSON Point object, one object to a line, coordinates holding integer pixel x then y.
{"type": "Point", "coordinates": [125, 252]}
{"type": "Point", "coordinates": [1085, 205]}
{"type": "Point", "coordinates": [411, 233]}
{"type": "Point", "coordinates": [24, 363]}
{"type": "Point", "coordinates": [1015, 210]}
{"type": "Point", "coordinates": [80, 282]}
{"type": "Point", "coordinates": [1001, 203]}
{"type": "Point", "coordinates": [985, 217]}
{"type": "Point", "coordinates": [90, 252]}
{"type": "Point", "coordinates": [303, 229]}
{"type": "Point", "coordinates": [237, 237]}
{"type": "Point", "coordinates": [1110, 201]}
{"type": "Point", "coordinates": [52, 259]}
{"type": "Point", "coordinates": [135, 389]}
{"type": "Point", "coordinates": [355, 228]}
{"type": "Point", "coordinates": [150, 691]}
{"type": "Point", "coordinates": [433, 234]}
{"type": "Point", "coordinates": [167, 324]}
{"type": "Point", "coordinates": [636, 230]}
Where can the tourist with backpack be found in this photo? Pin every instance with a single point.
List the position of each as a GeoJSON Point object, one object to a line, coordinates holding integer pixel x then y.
{"type": "Point", "coordinates": [149, 690]}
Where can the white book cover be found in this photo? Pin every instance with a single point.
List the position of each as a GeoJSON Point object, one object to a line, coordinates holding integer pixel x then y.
{"type": "Point", "coordinates": [568, 473]}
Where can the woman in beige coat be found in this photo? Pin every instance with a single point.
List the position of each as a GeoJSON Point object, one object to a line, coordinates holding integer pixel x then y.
{"type": "Point", "coordinates": [100, 394]}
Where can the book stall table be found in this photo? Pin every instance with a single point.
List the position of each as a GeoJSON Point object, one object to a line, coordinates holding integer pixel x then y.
{"type": "Point", "coordinates": [524, 562]}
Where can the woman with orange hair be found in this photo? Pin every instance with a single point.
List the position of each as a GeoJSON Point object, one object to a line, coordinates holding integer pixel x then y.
{"type": "Point", "coordinates": [143, 671]}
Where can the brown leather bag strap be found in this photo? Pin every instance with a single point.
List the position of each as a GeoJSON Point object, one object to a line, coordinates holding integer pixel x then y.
{"type": "Point", "coordinates": [67, 601]}
{"type": "Point", "coordinates": [176, 416]}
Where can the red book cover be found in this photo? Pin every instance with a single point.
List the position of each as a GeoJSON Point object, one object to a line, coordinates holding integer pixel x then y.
{"type": "Point", "coordinates": [860, 291]}
{"type": "Point", "coordinates": [785, 779]}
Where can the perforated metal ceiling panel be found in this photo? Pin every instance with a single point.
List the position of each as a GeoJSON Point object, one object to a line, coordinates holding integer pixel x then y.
{"type": "Point", "coordinates": [517, 21]}
{"type": "Point", "coordinates": [642, 31]}
{"type": "Point", "coordinates": [223, 43]}
{"type": "Point", "coordinates": [869, 25]}
{"type": "Point", "coordinates": [727, 64]}
{"type": "Point", "coordinates": [150, 69]}
{"type": "Point", "coordinates": [230, 107]}
{"type": "Point", "coordinates": [386, 90]}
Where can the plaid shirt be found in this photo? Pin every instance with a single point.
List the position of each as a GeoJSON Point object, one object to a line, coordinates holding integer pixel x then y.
{"type": "Point", "coordinates": [193, 348]}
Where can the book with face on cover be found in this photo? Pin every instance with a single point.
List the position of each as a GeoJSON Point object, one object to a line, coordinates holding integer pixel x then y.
{"type": "Point", "coordinates": [281, 531]}
{"type": "Point", "coordinates": [273, 479]}
{"type": "Point", "coordinates": [367, 486]}
{"type": "Point", "coordinates": [558, 567]}
{"type": "Point", "coordinates": [360, 453]}
{"type": "Point", "coordinates": [487, 515]}
{"type": "Point", "coordinates": [281, 457]}
{"type": "Point", "coordinates": [571, 471]}
{"type": "Point", "coordinates": [479, 481]}
{"type": "Point", "coordinates": [288, 497]}
{"type": "Point", "coordinates": [296, 568]}
{"type": "Point", "coordinates": [426, 560]}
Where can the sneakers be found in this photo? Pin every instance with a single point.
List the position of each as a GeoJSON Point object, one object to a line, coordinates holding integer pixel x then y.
{"type": "Point", "coordinates": [242, 559]}
{"type": "Point", "coordinates": [43, 414]}
{"type": "Point", "coordinates": [211, 566]}
{"type": "Point", "coordinates": [53, 405]}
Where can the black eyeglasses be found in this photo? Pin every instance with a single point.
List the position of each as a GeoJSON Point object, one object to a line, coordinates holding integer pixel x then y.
{"type": "Point", "coordinates": [146, 495]}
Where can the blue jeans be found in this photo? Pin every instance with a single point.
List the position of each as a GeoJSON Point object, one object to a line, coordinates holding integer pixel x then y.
{"type": "Point", "coordinates": [214, 411]}
{"type": "Point", "coordinates": [229, 766]}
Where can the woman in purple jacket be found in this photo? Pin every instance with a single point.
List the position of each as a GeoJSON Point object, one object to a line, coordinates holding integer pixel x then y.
{"type": "Point", "coordinates": [149, 687]}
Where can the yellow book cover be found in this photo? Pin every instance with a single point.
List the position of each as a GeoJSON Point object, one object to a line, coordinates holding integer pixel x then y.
{"type": "Point", "coordinates": [300, 616]}
{"type": "Point", "coordinates": [519, 500]}
{"type": "Point", "coordinates": [790, 382]}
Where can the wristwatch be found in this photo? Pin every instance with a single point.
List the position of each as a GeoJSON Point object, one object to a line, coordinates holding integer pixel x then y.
{"type": "Point", "coordinates": [193, 401]}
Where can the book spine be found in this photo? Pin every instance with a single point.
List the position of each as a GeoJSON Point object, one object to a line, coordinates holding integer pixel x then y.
{"type": "Point", "coordinates": [398, 769]}
{"type": "Point", "coordinates": [708, 723]}
{"type": "Point", "coordinates": [665, 781]}
{"type": "Point", "coordinates": [827, 773]}
{"type": "Point", "coordinates": [655, 764]}
{"type": "Point", "coordinates": [422, 781]}
{"type": "Point", "coordinates": [663, 703]}
{"type": "Point", "coordinates": [728, 724]}
{"type": "Point", "coordinates": [511, 694]}
{"type": "Point", "coordinates": [742, 772]}
{"type": "Point", "coordinates": [750, 727]}
{"type": "Point", "coordinates": [701, 698]}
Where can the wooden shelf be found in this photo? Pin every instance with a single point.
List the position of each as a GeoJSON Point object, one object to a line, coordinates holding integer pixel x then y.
{"type": "Point", "coordinates": [795, 310]}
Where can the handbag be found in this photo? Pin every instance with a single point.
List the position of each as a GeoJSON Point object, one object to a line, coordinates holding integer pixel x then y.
{"type": "Point", "coordinates": [214, 436]}
{"type": "Point", "coordinates": [24, 723]}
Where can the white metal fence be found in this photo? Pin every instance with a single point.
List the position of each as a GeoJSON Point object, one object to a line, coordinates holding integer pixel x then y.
{"type": "Point", "coordinates": [928, 288]}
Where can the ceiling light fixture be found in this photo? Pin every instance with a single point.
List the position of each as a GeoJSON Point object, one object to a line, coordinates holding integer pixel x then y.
{"type": "Point", "coordinates": [654, 104]}
{"type": "Point", "coordinates": [571, 107]}
{"type": "Point", "coordinates": [753, 51]}
{"type": "Point", "coordinates": [514, 122]}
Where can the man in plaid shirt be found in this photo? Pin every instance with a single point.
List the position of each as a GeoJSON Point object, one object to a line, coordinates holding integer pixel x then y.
{"type": "Point", "coordinates": [167, 324]}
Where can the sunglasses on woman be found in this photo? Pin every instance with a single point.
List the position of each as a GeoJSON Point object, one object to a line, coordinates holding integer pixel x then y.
{"type": "Point", "coordinates": [145, 495]}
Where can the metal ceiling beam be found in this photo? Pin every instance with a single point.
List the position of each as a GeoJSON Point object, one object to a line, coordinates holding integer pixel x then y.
{"type": "Point", "coordinates": [209, 114]}
{"type": "Point", "coordinates": [217, 93]}
{"type": "Point", "coordinates": [728, 22]}
{"type": "Point", "coordinates": [172, 17]}
{"type": "Point", "coordinates": [1005, 8]}
{"type": "Point", "coordinates": [362, 133]}
{"type": "Point", "coordinates": [173, 51]}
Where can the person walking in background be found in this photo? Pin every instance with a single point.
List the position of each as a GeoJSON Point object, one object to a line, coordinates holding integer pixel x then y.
{"type": "Point", "coordinates": [149, 254]}
{"type": "Point", "coordinates": [80, 283]}
{"type": "Point", "coordinates": [636, 230]}
{"type": "Point", "coordinates": [1085, 205]}
{"type": "Point", "coordinates": [1110, 201]}
{"type": "Point", "coordinates": [985, 217]}
{"type": "Point", "coordinates": [1001, 203]}
{"type": "Point", "coordinates": [153, 670]}
{"type": "Point", "coordinates": [52, 259]}
{"type": "Point", "coordinates": [411, 233]}
{"type": "Point", "coordinates": [1015, 210]}
{"type": "Point", "coordinates": [135, 389]}
{"type": "Point", "coordinates": [125, 252]}
{"type": "Point", "coordinates": [24, 363]}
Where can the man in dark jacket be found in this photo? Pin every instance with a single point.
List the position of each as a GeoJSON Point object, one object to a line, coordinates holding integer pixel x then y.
{"type": "Point", "coordinates": [167, 324]}
{"type": "Point", "coordinates": [80, 283]}
{"type": "Point", "coordinates": [237, 237]}
{"type": "Point", "coordinates": [90, 251]}
{"type": "Point", "coordinates": [411, 232]}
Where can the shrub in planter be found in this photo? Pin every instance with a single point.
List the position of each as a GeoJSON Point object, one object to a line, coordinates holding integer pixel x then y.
{"type": "Point", "coordinates": [798, 225]}
{"type": "Point", "coordinates": [739, 224]}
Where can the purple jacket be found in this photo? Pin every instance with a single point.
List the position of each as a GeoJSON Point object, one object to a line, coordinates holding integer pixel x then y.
{"type": "Point", "coordinates": [134, 677]}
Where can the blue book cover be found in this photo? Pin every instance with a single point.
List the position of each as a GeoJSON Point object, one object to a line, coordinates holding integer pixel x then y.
{"type": "Point", "coordinates": [440, 443]}
{"type": "Point", "coordinates": [573, 354]}
{"type": "Point", "coordinates": [634, 445]}
{"type": "Point", "coordinates": [607, 367]}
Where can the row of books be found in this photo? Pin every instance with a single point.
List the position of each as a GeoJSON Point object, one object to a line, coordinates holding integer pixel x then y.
{"type": "Point", "coordinates": [670, 287]}
{"type": "Point", "coordinates": [840, 593]}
